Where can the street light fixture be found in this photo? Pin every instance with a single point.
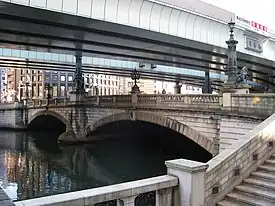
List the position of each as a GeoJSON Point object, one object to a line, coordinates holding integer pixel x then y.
{"type": "Point", "coordinates": [135, 76]}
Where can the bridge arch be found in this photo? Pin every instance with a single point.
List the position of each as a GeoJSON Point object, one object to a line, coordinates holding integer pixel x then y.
{"type": "Point", "coordinates": [49, 113]}
{"type": "Point", "coordinates": [203, 141]}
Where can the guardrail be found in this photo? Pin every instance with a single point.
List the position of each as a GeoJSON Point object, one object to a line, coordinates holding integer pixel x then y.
{"type": "Point", "coordinates": [152, 191]}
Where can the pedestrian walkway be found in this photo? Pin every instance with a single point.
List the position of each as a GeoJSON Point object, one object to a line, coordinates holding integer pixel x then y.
{"type": "Point", "coordinates": [4, 199]}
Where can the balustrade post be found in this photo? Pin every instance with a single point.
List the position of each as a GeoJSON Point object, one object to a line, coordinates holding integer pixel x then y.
{"type": "Point", "coordinates": [191, 175]}
{"type": "Point", "coordinates": [226, 101]}
{"type": "Point", "coordinates": [164, 197]}
{"type": "Point", "coordinates": [126, 201]}
{"type": "Point", "coordinates": [159, 99]}
{"type": "Point", "coordinates": [134, 98]}
{"type": "Point", "coordinates": [187, 99]}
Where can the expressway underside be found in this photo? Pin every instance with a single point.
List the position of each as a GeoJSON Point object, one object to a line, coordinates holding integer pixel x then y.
{"type": "Point", "coordinates": [22, 28]}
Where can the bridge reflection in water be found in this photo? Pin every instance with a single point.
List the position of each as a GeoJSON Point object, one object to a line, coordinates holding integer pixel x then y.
{"type": "Point", "coordinates": [32, 165]}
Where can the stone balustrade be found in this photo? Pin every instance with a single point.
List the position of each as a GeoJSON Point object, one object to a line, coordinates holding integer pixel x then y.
{"type": "Point", "coordinates": [155, 191]}
{"type": "Point", "coordinates": [253, 104]}
{"type": "Point", "coordinates": [159, 101]}
{"type": "Point", "coordinates": [233, 165]}
{"type": "Point", "coordinates": [258, 104]}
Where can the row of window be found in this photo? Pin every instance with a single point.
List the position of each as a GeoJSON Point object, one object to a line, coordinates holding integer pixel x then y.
{"type": "Point", "coordinates": [102, 82]}
{"type": "Point", "coordinates": [34, 78]}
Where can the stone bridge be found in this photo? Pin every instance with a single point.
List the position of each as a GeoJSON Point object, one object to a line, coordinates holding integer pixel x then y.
{"type": "Point", "coordinates": [212, 121]}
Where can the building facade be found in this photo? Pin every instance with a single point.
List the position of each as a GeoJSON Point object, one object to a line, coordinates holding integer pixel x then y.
{"type": "Point", "coordinates": [146, 86]}
{"type": "Point", "coordinates": [3, 84]}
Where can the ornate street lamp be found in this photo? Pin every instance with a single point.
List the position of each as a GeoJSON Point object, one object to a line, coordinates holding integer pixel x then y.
{"type": "Point", "coordinates": [232, 68]}
{"type": "Point", "coordinates": [135, 76]}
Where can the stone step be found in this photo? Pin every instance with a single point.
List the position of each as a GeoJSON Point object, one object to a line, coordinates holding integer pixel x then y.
{"type": "Point", "coordinates": [245, 199]}
{"type": "Point", "coordinates": [272, 156]}
{"type": "Point", "coordinates": [260, 183]}
{"type": "Point", "coordinates": [257, 192]}
{"type": "Point", "coordinates": [270, 161]}
{"type": "Point", "coordinates": [264, 175]}
{"type": "Point", "coordinates": [267, 167]}
{"type": "Point", "coordinates": [230, 203]}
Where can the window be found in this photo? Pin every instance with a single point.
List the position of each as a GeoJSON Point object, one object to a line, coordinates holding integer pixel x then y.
{"type": "Point", "coordinates": [63, 91]}
{"type": "Point", "coordinates": [55, 78]}
{"type": "Point", "coordinates": [23, 79]}
{"type": "Point", "coordinates": [34, 78]}
{"type": "Point", "coordinates": [130, 84]}
{"type": "Point", "coordinates": [55, 91]}
{"type": "Point", "coordinates": [62, 78]}
{"type": "Point", "coordinates": [39, 78]}
{"type": "Point", "coordinates": [105, 82]}
{"type": "Point", "coordinates": [40, 91]}
{"type": "Point", "coordinates": [70, 78]}
{"type": "Point", "coordinates": [47, 78]}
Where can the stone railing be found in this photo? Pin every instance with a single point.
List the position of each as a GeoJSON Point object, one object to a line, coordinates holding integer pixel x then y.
{"type": "Point", "coordinates": [259, 105]}
{"type": "Point", "coordinates": [249, 103]}
{"type": "Point", "coordinates": [154, 191]}
{"type": "Point", "coordinates": [233, 165]}
{"type": "Point", "coordinates": [159, 101]}
{"type": "Point", "coordinates": [45, 102]}
{"type": "Point", "coordinates": [174, 189]}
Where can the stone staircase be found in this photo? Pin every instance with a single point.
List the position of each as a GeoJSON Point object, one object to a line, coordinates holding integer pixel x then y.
{"type": "Point", "coordinates": [256, 190]}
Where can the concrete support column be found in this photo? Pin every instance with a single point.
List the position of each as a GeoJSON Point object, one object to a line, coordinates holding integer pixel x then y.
{"type": "Point", "coordinates": [127, 201]}
{"type": "Point", "coordinates": [207, 84]}
{"type": "Point", "coordinates": [164, 197]}
{"type": "Point", "coordinates": [177, 88]}
{"type": "Point", "coordinates": [191, 174]}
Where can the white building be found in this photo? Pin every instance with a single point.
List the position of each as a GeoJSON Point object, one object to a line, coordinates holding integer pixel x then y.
{"type": "Point", "coordinates": [99, 84]}
{"type": "Point", "coordinates": [169, 88]}
{"type": "Point", "coordinates": [3, 84]}
{"type": "Point", "coordinates": [146, 86]}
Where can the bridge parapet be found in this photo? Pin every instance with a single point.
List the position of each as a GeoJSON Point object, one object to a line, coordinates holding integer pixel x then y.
{"type": "Point", "coordinates": [157, 189]}
{"type": "Point", "coordinates": [158, 100]}
{"type": "Point", "coordinates": [260, 105]}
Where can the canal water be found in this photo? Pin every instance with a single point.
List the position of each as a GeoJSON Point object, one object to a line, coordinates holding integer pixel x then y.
{"type": "Point", "coordinates": [33, 165]}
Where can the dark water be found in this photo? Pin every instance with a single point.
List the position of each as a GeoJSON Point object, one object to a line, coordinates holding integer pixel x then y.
{"type": "Point", "coordinates": [33, 165]}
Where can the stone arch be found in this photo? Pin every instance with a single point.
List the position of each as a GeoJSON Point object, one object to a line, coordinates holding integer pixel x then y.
{"type": "Point", "coordinates": [203, 141]}
{"type": "Point", "coordinates": [50, 113]}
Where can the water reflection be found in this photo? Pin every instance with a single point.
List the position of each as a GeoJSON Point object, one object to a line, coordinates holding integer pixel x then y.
{"type": "Point", "coordinates": [32, 165]}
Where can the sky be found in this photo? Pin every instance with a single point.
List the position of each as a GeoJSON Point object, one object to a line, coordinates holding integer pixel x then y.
{"type": "Point", "coordinates": [261, 11]}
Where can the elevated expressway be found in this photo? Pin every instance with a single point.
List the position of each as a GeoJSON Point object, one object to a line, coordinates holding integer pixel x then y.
{"type": "Point", "coordinates": [131, 30]}
{"type": "Point", "coordinates": [22, 59]}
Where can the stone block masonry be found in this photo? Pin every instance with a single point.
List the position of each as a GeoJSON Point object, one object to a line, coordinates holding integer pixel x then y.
{"type": "Point", "coordinates": [211, 130]}
{"type": "Point", "coordinates": [245, 155]}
